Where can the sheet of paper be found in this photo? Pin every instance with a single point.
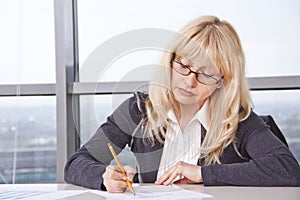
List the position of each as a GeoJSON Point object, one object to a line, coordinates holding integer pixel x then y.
{"type": "Point", "coordinates": [146, 192]}
{"type": "Point", "coordinates": [38, 195]}
{"type": "Point", "coordinates": [156, 192]}
{"type": "Point", "coordinates": [8, 195]}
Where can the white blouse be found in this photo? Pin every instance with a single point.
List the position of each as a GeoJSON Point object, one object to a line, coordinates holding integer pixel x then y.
{"type": "Point", "coordinates": [183, 146]}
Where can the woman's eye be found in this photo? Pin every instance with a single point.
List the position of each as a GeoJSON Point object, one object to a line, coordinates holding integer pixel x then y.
{"type": "Point", "coordinates": [182, 65]}
{"type": "Point", "coordinates": [206, 72]}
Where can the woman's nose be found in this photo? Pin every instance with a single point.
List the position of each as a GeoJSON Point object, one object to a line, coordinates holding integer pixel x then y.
{"type": "Point", "coordinates": [191, 80]}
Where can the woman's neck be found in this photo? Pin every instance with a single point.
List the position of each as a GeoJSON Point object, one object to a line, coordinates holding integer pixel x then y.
{"type": "Point", "coordinates": [186, 114]}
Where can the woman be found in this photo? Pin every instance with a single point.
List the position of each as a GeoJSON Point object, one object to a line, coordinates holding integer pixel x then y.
{"type": "Point", "coordinates": [195, 126]}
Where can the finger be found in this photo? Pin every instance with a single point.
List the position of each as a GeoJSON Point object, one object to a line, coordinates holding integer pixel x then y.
{"type": "Point", "coordinates": [116, 186]}
{"type": "Point", "coordinates": [172, 177]}
{"type": "Point", "coordinates": [162, 178]}
{"type": "Point", "coordinates": [114, 173]}
{"type": "Point", "coordinates": [171, 174]}
{"type": "Point", "coordinates": [129, 169]}
{"type": "Point", "coordinates": [112, 167]}
{"type": "Point", "coordinates": [165, 176]}
{"type": "Point", "coordinates": [130, 172]}
{"type": "Point", "coordinates": [113, 181]}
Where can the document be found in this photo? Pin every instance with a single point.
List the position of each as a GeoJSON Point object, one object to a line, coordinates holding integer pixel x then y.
{"type": "Point", "coordinates": [37, 195]}
{"type": "Point", "coordinates": [155, 192]}
{"type": "Point", "coordinates": [142, 192]}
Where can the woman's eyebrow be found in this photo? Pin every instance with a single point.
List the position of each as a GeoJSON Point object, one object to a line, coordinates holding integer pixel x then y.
{"type": "Point", "coordinates": [188, 63]}
{"type": "Point", "coordinates": [184, 61]}
{"type": "Point", "coordinates": [203, 67]}
{"type": "Point", "coordinates": [198, 67]}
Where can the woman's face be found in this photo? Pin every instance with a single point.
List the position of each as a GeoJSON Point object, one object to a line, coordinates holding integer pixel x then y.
{"type": "Point", "coordinates": [187, 89]}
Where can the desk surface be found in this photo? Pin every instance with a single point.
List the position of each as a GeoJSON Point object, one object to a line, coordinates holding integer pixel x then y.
{"type": "Point", "coordinates": [218, 193]}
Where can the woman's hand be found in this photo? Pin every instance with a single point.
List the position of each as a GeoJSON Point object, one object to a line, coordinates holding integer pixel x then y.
{"type": "Point", "coordinates": [191, 174]}
{"type": "Point", "coordinates": [115, 181]}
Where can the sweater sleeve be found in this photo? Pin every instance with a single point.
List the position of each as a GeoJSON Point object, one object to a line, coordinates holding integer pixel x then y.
{"type": "Point", "coordinates": [271, 163]}
{"type": "Point", "coordinates": [87, 165]}
{"type": "Point", "coordinates": [84, 170]}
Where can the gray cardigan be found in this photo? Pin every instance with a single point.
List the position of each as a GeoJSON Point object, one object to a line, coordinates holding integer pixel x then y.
{"type": "Point", "coordinates": [257, 158]}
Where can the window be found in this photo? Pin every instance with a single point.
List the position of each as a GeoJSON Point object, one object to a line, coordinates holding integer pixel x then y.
{"type": "Point", "coordinates": [94, 109]}
{"type": "Point", "coordinates": [27, 41]}
{"type": "Point", "coordinates": [28, 114]}
{"type": "Point", "coordinates": [262, 29]}
{"type": "Point", "coordinates": [27, 139]}
{"type": "Point", "coordinates": [283, 107]}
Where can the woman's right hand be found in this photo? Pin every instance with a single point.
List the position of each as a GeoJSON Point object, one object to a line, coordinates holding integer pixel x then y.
{"type": "Point", "coordinates": [115, 181]}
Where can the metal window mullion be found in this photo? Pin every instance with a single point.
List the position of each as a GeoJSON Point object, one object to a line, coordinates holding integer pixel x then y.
{"type": "Point", "coordinates": [255, 83]}
{"type": "Point", "coordinates": [274, 83]}
{"type": "Point", "coordinates": [66, 68]}
{"type": "Point", "coordinates": [27, 89]}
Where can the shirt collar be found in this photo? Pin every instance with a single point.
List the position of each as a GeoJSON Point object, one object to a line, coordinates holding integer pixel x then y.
{"type": "Point", "coordinates": [201, 115]}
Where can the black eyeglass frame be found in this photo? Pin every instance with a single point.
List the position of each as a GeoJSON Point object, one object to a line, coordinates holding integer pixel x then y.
{"type": "Point", "coordinates": [196, 73]}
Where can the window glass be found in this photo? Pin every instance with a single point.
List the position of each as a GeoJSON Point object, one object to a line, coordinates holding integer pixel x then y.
{"type": "Point", "coordinates": [94, 109]}
{"type": "Point", "coordinates": [27, 139]}
{"type": "Point", "coordinates": [27, 41]}
{"type": "Point", "coordinates": [269, 34]}
{"type": "Point", "coordinates": [283, 106]}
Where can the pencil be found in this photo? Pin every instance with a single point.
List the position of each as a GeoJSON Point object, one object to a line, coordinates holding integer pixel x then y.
{"type": "Point", "coordinates": [120, 166]}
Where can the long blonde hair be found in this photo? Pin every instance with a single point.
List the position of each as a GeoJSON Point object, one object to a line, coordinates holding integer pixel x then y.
{"type": "Point", "coordinates": [227, 106]}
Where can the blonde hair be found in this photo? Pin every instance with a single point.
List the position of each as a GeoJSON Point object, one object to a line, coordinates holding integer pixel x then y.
{"type": "Point", "coordinates": [227, 106]}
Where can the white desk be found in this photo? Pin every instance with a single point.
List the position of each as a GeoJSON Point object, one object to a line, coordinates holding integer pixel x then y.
{"type": "Point", "coordinates": [248, 193]}
{"type": "Point", "coordinates": [219, 193]}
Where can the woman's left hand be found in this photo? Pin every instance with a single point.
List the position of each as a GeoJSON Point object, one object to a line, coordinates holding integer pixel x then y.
{"type": "Point", "coordinates": [191, 173]}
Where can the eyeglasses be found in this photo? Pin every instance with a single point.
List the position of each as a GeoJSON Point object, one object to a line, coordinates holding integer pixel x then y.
{"type": "Point", "coordinates": [200, 76]}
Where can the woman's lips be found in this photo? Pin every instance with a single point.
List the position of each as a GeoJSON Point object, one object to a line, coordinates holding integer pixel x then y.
{"type": "Point", "coordinates": [185, 92]}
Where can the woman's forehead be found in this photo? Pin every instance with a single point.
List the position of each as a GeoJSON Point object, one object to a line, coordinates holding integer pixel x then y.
{"type": "Point", "coordinates": [196, 59]}
{"type": "Point", "coordinates": [199, 61]}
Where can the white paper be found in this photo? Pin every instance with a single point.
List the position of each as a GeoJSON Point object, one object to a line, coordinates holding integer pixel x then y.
{"type": "Point", "coordinates": [145, 192]}
{"type": "Point", "coordinates": [38, 195]}
{"type": "Point", "coordinates": [8, 195]}
{"type": "Point", "coordinates": [156, 192]}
